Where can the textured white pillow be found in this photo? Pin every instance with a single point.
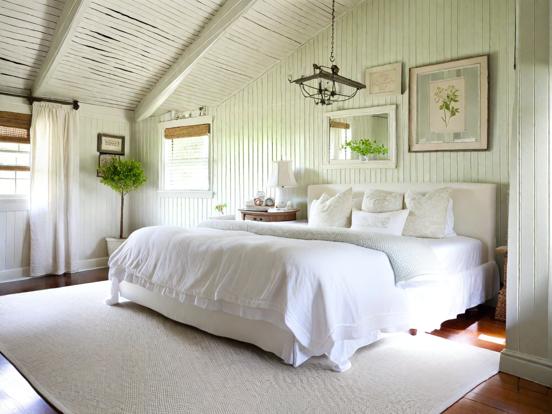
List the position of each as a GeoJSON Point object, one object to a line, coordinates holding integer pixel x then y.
{"type": "Point", "coordinates": [428, 213]}
{"type": "Point", "coordinates": [380, 201]}
{"type": "Point", "coordinates": [449, 230]}
{"type": "Point", "coordinates": [332, 211]}
{"type": "Point", "coordinates": [391, 222]}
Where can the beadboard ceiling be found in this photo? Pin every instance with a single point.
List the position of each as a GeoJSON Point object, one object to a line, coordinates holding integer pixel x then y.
{"type": "Point", "coordinates": [120, 49]}
{"type": "Point", "coordinates": [265, 34]}
{"type": "Point", "coordinates": [26, 30]}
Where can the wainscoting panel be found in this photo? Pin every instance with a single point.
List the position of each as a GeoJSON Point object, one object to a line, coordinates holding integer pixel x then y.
{"type": "Point", "coordinates": [269, 119]}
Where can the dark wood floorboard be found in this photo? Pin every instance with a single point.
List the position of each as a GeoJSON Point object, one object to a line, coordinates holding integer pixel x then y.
{"type": "Point", "coordinates": [502, 393]}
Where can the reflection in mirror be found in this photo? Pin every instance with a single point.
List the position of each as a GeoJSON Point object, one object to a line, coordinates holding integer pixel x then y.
{"type": "Point", "coordinates": [360, 138]}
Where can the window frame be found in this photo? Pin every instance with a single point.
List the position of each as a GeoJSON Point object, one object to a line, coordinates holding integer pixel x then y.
{"type": "Point", "coordinates": [185, 193]}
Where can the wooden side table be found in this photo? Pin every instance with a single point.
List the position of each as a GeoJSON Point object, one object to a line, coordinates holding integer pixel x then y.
{"type": "Point", "coordinates": [267, 216]}
{"type": "Point", "coordinates": [500, 311]}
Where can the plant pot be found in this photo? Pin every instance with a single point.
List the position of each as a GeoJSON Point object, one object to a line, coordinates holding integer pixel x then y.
{"type": "Point", "coordinates": [113, 244]}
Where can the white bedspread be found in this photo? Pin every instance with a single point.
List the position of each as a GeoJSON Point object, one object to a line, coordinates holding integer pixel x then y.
{"type": "Point", "coordinates": [321, 291]}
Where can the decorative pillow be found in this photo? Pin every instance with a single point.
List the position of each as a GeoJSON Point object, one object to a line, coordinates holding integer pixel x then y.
{"type": "Point", "coordinates": [332, 211]}
{"type": "Point", "coordinates": [449, 230]}
{"type": "Point", "coordinates": [428, 213]}
{"type": "Point", "coordinates": [380, 201]}
{"type": "Point", "coordinates": [391, 222]}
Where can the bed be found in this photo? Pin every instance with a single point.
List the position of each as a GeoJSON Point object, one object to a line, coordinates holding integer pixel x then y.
{"type": "Point", "coordinates": [298, 292]}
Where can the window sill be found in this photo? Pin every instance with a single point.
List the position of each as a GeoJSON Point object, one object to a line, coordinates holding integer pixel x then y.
{"type": "Point", "coordinates": [14, 203]}
{"type": "Point", "coordinates": [185, 193]}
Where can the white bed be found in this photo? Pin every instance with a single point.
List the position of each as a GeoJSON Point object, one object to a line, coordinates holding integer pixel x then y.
{"type": "Point", "coordinates": [467, 278]}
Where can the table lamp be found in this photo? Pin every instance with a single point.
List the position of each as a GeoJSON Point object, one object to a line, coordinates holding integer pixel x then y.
{"type": "Point", "coordinates": [282, 177]}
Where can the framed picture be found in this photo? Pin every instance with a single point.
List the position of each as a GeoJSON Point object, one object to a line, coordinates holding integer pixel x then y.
{"type": "Point", "coordinates": [384, 80]}
{"type": "Point", "coordinates": [111, 144]}
{"type": "Point", "coordinates": [449, 106]}
{"type": "Point", "coordinates": [103, 159]}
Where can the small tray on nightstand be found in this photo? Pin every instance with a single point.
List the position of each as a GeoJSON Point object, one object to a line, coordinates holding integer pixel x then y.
{"type": "Point", "coordinates": [269, 216]}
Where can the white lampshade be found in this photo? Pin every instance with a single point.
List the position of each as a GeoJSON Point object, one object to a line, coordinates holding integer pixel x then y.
{"type": "Point", "coordinates": [282, 175]}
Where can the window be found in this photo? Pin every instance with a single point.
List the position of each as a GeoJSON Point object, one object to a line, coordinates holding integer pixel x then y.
{"type": "Point", "coordinates": [15, 150]}
{"type": "Point", "coordinates": [185, 164]}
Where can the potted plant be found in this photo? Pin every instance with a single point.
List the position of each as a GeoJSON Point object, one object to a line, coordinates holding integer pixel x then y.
{"type": "Point", "coordinates": [366, 148]}
{"type": "Point", "coordinates": [220, 208]}
{"type": "Point", "coordinates": [123, 176]}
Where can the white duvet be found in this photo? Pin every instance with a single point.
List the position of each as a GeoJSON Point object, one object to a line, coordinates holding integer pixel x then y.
{"type": "Point", "coordinates": [322, 291]}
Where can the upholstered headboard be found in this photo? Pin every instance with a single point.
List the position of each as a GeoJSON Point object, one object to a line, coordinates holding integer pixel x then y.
{"type": "Point", "coordinates": [474, 205]}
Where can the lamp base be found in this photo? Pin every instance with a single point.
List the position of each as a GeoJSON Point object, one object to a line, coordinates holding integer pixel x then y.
{"type": "Point", "coordinates": [281, 197]}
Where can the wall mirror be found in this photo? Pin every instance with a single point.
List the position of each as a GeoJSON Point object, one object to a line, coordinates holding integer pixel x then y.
{"type": "Point", "coordinates": [362, 138]}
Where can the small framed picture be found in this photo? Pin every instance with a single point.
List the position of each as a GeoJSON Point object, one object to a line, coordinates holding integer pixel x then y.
{"type": "Point", "coordinates": [384, 80]}
{"type": "Point", "coordinates": [103, 159]}
{"type": "Point", "coordinates": [111, 144]}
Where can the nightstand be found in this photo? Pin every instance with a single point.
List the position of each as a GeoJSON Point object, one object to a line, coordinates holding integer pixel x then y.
{"type": "Point", "coordinates": [500, 311]}
{"type": "Point", "coordinates": [266, 216]}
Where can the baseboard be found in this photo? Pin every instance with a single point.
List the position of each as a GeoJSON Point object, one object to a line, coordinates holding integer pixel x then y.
{"type": "Point", "coordinates": [91, 264]}
{"type": "Point", "coordinates": [527, 366]}
{"type": "Point", "coordinates": [12, 274]}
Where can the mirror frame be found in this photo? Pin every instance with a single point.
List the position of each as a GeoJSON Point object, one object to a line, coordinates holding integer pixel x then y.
{"type": "Point", "coordinates": [391, 112]}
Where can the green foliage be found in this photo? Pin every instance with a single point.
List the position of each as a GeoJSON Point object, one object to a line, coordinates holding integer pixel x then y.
{"type": "Point", "coordinates": [447, 98]}
{"type": "Point", "coordinates": [220, 208]}
{"type": "Point", "coordinates": [123, 175]}
{"type": "Point", "coordinates": [366, 147]}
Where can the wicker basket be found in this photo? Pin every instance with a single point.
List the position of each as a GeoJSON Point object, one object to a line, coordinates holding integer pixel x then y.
{"type": "Point", "coordinates": [500, 311]}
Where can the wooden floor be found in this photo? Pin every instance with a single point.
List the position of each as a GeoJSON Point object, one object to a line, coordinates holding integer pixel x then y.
{"type": "Point", "coordinates": [502, 393]}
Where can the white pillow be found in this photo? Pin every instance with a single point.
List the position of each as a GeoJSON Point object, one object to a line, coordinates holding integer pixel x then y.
{"type": "Point", "coordinates": [449, 229]}
{"type": "Point", "coordinates": [391, 222]}
{"type": "Point", "coordinates": [332, 211]}
{"type": "Point", "coordinates": [428, 213]}
{"type": "Point", "coordinates": [380, 201]}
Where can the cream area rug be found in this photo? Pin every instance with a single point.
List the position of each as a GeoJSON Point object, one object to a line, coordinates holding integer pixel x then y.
{"type": "Point", "coordinates": [86, 357]}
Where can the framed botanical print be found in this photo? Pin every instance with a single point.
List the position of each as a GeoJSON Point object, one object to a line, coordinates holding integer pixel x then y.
{"type": "Point", "coordinates": [111, 144]}
{"type": "Point", "coordinates": [449, 106]}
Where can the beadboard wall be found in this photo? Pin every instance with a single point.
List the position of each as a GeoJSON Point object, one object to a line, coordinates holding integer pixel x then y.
{"type": "Point", "coordinates": [269, 119]}
{"type": "Point", "coordinates": [99, 205]}
{"type": "Point", "coordinates": [528, 350]}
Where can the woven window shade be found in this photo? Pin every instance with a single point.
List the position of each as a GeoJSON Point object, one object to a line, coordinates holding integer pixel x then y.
{"type": "Point", "coordinates": [339, 125]}
{"type": "Point", "coordinates": [14, 127]}
{"type": "Point", "coordinates": [188, 131]}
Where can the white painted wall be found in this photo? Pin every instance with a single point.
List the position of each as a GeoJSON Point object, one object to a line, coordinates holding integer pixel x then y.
{"type": "Point", "coordinates": [99, 214]}
{"type": "Point", "coordinates": [269, 119]}
{"type": "Point", "coordinates": [529, 300]}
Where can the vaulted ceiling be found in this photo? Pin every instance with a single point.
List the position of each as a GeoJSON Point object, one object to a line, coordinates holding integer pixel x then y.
{"type": "Point", "coordinates": [150, 56]}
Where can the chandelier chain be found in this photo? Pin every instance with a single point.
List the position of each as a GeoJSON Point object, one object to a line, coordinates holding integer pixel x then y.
{"type": "Point", "coordinates": [332, 57]}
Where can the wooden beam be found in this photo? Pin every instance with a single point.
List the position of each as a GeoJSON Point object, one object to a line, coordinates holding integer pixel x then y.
{"type": "Point", "coordinates": [214, 30]}
{"type": "Point", "coordinates": [68, 22]}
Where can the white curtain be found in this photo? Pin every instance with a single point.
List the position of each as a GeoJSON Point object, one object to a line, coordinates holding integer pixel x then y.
{"type": "Point", "coordinates": [54, 189]}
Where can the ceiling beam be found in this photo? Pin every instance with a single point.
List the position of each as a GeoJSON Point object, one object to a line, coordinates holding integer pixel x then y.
{"type": "Point", "coordinates": [68, 22]}
{"type": "Point", "coordinates": [214, 30]}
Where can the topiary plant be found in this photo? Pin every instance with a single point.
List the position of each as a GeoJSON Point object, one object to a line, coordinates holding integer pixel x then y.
{"type": "Point", "coordinates": [123, 176]}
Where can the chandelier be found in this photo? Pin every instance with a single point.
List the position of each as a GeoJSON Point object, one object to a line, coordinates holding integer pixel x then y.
{"type": "Point", "coordinates": [326, 86]}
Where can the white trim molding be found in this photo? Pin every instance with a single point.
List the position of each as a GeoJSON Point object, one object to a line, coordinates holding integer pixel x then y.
{"type": "Point", "coordinates": [14, 274]}
{"type": "Point", "coordinates": [526, 366]}
{"type": "Point", "coordinates": [91, 264]}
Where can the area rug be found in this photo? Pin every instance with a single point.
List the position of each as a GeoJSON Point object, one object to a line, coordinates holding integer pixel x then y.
{"type": "Point", "coordinates": [86, 357]}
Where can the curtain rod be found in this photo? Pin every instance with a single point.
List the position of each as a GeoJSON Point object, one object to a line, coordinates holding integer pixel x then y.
{"type": "Point", "coordinates": [31, 99]}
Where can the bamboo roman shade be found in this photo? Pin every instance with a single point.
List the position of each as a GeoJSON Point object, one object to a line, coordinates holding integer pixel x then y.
{"type": "Point", "coordinates": [339, 125]}
{"type": "Point", "coordinates": [188, 131]}
{"type": "Point", "coordinates": [14, 127]}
